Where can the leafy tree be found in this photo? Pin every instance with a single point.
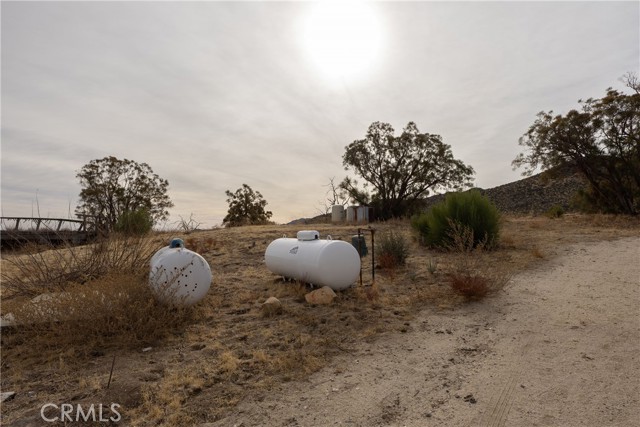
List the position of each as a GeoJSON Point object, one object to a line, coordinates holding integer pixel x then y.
{"type": "Point", "coordinates": [401, 169]}
{"type": "Point", "coordinates": [246, 207]}
{"type": "Point", "coordinates": [136, 222]}
{"type": "Point", "coordinates": [602, 141]}
{"type": "Point", "coordinates": [113, 189]}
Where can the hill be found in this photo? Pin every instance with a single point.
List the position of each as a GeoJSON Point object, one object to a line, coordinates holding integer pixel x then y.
{"type": "Point", "coordinates": [532, 195]}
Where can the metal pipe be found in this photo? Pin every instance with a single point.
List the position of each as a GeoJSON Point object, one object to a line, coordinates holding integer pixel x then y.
{"type": "Point", "coordinates": [360, 255]}
{"type": "Point", "coordinates": [373, 254]}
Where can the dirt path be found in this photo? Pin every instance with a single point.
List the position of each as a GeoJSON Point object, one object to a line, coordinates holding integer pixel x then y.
{"type": "Point", "coordinates": [560, 347]}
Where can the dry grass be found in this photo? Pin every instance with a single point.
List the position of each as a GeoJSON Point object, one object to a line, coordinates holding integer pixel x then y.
{"type": "Point", "coordinates": [202, 362]}
{"type": "Point", "coordinates": [116, 310]}
{"type": "Point", "coordinates": [38, 269]}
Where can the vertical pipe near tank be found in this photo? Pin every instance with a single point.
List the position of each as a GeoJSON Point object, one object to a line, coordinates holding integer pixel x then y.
{"type": "Point", "coordinates": [373, 255]}
{"type": "Point", "coordinates": [360, 254]}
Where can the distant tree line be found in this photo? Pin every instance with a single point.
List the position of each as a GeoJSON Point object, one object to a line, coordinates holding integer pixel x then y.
{"type": "Point", "coordinates": [601, 140]}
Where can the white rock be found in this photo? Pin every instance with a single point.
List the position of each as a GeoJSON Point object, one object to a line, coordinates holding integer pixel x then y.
{"type": "Point", "coordinates": [7, 395]}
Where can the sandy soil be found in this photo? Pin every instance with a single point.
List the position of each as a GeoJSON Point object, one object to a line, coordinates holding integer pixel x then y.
{"type": "Point", "coordinates": [559, 347]}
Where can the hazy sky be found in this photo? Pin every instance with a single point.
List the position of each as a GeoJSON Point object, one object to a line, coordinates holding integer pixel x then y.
{"type": "Point", "coordinates": [216, 94]}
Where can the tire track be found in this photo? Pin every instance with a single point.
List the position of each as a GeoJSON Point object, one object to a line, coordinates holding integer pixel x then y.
{"type": "Point", "coordinates": [499, 407]}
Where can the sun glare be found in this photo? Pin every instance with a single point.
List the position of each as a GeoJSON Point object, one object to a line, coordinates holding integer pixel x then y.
{"type": "Point", "coordinates": [342, 39]}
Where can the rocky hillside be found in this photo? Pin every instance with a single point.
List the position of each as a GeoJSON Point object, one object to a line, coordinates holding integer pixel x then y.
{"type": "Point", "coordinates": [533, 195]}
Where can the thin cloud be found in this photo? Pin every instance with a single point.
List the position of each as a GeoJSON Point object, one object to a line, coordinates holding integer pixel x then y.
{"type": "Point", "coordinates": [216, 94]}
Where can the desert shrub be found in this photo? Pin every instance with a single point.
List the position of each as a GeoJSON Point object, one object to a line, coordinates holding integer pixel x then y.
{"type": "Point", "coordinates": [460, 212]}
{"type": "Point", "coordinates": [420, 224]}
{"type": "Point", "coordinates": [471, 274]}
{"type": "Point", "coordinates": [114, 310]}
{"type": "Point", "coordinates": [469, 285]}
{"type": "Point", "coordinates": [392, 250]}
{"type": "Point", "coordinates": [88, 295]}
{"type": "Point", "coordinates": [136, 222]}
{"type": "Point", "coordinates": [555, 211]}
{"type": "Point", "coordinates": [32, 273]}
{"type": "Point", "coordinates": [584, 201]}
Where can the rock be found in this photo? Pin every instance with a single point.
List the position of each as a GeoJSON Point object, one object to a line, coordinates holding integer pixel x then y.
{"type": "Point", "coordinates": [324, 295]}
{"type": "Point", "coordinates": [272, 306]}
{"type": "Point", "coordinates": [7, 395]}
{"type": "Point", "coordinates": [8, 320]}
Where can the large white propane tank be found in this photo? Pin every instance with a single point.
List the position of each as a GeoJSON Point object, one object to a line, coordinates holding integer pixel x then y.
{"type": "Point", "coordinates": [332, 263]}
{"type": "Point", "coordinates": [178, 276]}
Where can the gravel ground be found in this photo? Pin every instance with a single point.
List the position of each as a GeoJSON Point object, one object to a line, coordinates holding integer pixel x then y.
{"type": "Point", "coordinates": [559, 347]}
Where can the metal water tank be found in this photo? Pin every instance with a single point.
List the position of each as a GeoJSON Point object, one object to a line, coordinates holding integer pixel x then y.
{"type": "Point", "coordinates": [351, 213]}
{"type": "Point", "coordinates": [327, 262]}
{"type": "Point", "coordinates": [337, 213]}
{"type": "Point", "coordinates": [178, 276]}
{"type": "Point", "coordinates": [362, 214]}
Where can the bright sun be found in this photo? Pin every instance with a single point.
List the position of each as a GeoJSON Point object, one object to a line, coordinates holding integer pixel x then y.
{"type": "Point", "coordinates": [342, 39]}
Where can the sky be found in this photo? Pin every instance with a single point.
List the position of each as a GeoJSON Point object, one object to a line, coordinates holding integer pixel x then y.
{"type": "Point", "coordinates": [212, 95]}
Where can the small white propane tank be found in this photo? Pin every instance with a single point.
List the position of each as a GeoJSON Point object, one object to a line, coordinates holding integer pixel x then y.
{"type": "Point", "coordinates": [332, 263]}
{"type": "Point", "coordinates": [178, 276]}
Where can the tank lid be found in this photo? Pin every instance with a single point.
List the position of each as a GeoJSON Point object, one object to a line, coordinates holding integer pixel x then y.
{"type": "Point", "coordinates": [308, 235]}
{"type": "Point", "coordinates": [176, 243]}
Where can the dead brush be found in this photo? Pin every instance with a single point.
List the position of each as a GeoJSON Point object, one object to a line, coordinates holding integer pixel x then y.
{"type": "Point", "coordinates": [37, 271]}
{"type": "Point", "coordinates": [85, 297]}
{"type": "Point", "coordinates": [471, 275]}
{"type": "Point", "coordinates": [392, 250]}
{"type": "Point", "coordinates": [387, 261]}
{"type": "Point", "coordinates": [470, 286]}
{"type": "Point", "coordinates": [370, 293]}
{"type": "Point", "coordinates": [117, 311]}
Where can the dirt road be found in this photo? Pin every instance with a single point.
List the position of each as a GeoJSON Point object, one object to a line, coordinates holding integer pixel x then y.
{"type": "Point", "coordinates": [559, 347]}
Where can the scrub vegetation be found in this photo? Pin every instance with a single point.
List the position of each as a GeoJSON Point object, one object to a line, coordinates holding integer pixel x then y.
{"type": "Point", "coordinates": [466, 219]}
{"type": "Point", "coordinates": [97, 334]}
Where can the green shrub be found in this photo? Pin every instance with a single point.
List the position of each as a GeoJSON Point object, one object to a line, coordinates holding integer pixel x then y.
{"type": "Point", "coordinates": [136, 222]}
{"type": "Point", "coordinates": [469, 212]}
{"type": "Point", "coordinates": [392, 250]}
{"type": "Point", "coordinates": [420, 224]}
{"type": "Point", "coordinates": [583, 201]}
{"type": "Point", "coordinates": [555, 211]}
